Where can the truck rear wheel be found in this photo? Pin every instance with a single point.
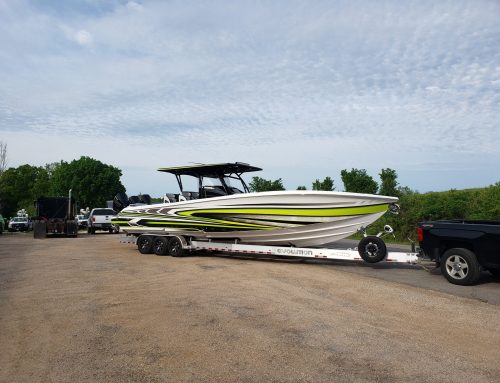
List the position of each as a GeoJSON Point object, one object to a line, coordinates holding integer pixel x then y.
{"type": "Point", "coordinates": [372, 249]}
{"type": "Point", "coordinates": [460, 267]}
{"type": "Point", "coordinates": [145, 244]}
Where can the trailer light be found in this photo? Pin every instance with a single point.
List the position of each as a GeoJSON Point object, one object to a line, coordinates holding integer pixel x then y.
{"type": "Point", "coordinates": [420, 234]}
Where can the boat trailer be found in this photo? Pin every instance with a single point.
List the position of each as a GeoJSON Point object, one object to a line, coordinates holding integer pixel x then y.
{"type": "Point", "coordinates": [371, 249]}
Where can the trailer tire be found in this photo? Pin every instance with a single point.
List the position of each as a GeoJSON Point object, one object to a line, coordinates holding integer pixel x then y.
{"type": "Point", "coordinates": [145, 244]}
{"type": "Point", "coordinates": [372, 249]}
{"type": "Point", "coordinates": [160, 245]}
{"type": "Point", "coordinates": [175, 247]}
{"type": "Point", "coordinates": [460, 266]}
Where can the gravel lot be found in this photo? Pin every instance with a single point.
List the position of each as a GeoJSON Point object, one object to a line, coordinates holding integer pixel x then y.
{"type": "Point", "coordinates": [91, 309]}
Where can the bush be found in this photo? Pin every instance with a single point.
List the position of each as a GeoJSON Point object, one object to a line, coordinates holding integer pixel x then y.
{"type": "Point", "coordinates": [477, 204]}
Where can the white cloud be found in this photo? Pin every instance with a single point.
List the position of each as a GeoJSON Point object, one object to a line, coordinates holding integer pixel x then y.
{"type": "Point", "coordinates": [134, 6]}
{"type": "Point", "coordinates": [83, 37]}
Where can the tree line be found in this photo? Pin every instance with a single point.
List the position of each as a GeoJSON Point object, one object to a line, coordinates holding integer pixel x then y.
{"type": "Point", "coordinates": [468, 204]}
{"type": "Point", "coordinates": [92, 183]}
{"type": "Point", "coordinates": [354, 180]}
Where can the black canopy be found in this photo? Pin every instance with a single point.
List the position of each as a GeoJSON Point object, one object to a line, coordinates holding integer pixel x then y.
{"type": "Point", "coordinates": [212, 170]}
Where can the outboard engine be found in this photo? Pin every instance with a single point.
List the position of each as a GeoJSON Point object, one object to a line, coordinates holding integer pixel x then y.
{"type": "Point", "coordinates": [120, 202]}
{"type": "Point", "coordinates": [133, 199]}
{"type": "Point", "coordinates": [145, 199]}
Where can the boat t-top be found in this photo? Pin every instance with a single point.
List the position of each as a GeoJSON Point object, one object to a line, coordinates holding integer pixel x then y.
{"type": "Point", "coordinates": [223, 209]}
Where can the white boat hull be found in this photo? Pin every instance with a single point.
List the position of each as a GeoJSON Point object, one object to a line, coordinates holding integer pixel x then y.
{"type": "Point", "coordinates": [299, 218]}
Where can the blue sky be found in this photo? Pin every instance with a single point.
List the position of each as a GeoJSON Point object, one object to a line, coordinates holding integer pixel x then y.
{"type": "Point", "coordinates": [302, 89]}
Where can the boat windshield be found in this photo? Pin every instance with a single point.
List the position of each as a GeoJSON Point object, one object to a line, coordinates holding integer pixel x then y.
{"type": "Point", "coordinates": [220, 186]}
{"type": "Point", "coordinates": [211, 182]}
{"type": "Point", "coordinates": [234, 185]}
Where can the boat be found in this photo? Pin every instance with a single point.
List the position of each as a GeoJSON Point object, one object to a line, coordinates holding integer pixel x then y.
{"type": "Point", "coordinates": [224, 209]}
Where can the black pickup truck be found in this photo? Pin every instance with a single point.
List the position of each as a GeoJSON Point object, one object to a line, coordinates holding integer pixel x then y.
{"type": "Point", "coordinates": [462, 248]}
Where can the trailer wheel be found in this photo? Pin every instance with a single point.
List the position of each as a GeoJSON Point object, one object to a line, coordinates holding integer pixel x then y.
{"type": "Point", "coordinates": [160, 245]}
{"type": "Point", "coordinates": [145, 244]}
{"type": "Point", "coordinates": [372, 249]}
{"type": "Point", "coordinates": [175, 247]}
{"type": "Point", "coordinates": [460, 266]}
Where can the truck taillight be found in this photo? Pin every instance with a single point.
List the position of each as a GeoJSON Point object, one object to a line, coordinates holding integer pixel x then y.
{"type": "Point", "coordinates": [93, 219]}
{"type": "Point", "coordinates": [420, 234]}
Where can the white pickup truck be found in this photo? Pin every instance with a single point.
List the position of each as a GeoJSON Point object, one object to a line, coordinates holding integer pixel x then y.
{"type": "Point", "coordinates": [100, 219]}
{"type": "Point", "coordinates": [19, 224]}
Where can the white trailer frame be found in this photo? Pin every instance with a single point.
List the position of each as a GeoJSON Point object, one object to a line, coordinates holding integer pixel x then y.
{"type": "Point", "coordinates": [298, 252]}
{"type": "Point", "coordinates": [282, 251]}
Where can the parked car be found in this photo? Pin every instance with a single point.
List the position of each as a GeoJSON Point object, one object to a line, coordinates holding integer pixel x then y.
{"type": "Point", "coordinates": [100, 219]}
{"type": "Point", "coordinates": [83, 222]}
{"type": "Point", "coordinates": [2, 224]}
{"type": "Point", "coordinates": [19, 224]}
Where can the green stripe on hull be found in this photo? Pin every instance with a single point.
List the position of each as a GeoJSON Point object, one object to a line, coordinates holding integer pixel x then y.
{"type": "Point", "coordinates": [239, 227]}
{"type": "Point", "coordinates": [205, 221]}
{"type": "Point", "coordinates": [313, 212]}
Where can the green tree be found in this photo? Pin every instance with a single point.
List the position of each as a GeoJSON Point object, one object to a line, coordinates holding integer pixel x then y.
{"type": "Point", "coordinates": [358, 181]}
{"type": "Point", "coordinates": [92, 182]}
{"type": "Point", "coordinates": [388, 182]}
{"type": "Point", "coordinates": [326, 185]}
{"type": "Point", "coordinates": [20, 186]}
{"type": "Point", "coordinates": [259, 184]}
{"type": "Point", "coordinates": [301, 188]}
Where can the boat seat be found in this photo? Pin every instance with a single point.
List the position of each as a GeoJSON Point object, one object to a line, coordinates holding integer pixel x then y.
{"type": "Point", "coordinates": [169, 198]}
{"type": "Point", "coordinates": [189, 195]}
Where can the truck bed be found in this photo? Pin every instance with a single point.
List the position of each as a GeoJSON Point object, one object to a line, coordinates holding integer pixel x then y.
{"type": "Point", "coordinates": [462, 245]}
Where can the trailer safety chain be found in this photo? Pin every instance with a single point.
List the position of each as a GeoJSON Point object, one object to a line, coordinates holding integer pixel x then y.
{"type": "Point", "coordinates": [425, 267]}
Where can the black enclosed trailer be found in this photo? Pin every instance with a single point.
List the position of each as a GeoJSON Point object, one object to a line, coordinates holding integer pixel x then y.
{"type": "Point", "coordinates": [55, 215]}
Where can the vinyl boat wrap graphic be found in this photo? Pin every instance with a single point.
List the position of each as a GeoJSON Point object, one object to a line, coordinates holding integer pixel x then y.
{"type": "Point", "coordinates": [298, 218]}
